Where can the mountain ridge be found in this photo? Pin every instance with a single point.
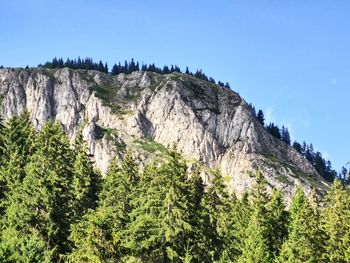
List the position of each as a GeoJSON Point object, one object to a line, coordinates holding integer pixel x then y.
{"type": "Point", "coordinates": [207, 122]}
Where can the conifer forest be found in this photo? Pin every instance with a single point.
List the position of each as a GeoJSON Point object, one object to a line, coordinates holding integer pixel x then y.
{"type": "Point", "coordinates": [55, 207]}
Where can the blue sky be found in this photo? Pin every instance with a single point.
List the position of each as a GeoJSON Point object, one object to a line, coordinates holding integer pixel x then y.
{"type": "Point", "coordinates": [289, 58]}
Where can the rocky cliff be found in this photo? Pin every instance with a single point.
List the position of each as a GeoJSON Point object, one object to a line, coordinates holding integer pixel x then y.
{"type": "Point", "coordinates": [148, 111]}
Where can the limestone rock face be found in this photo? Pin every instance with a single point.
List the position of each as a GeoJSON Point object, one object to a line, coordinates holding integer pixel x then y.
{"type": "Point", "coordinates": [208, 123]}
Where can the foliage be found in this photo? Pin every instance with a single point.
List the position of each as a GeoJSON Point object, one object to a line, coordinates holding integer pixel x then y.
{"type": "Point", "coordinates": [321, 165]}
{"type": "Point", "coordinates": [56, 208]}
{"type": "Point", "coordinates": [125, 68]}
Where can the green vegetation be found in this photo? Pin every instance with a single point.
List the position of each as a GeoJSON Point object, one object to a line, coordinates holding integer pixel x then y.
{"type": "Point", "coordinates": [105, 92]}
{"type": "Point", "coordinates": [100, 132]}
{"type": "Point", "coordinates": [120, 146]}
{"type": "Point", "coordinates": [283, 179]}
{"type": "Point", "coordinates": [151, 146]}
{"type": "Point", "coordinates": [125, 68]}
{"type": "Point", "coordinates": [296, 173]}
{"type": "Point", "coordinates": [321, 165]}
{"type": "Point", "coordinates": [55, 208]}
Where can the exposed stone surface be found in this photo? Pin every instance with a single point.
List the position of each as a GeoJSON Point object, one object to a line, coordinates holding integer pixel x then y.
{"type": "Point", "coordinates": [207, 123]}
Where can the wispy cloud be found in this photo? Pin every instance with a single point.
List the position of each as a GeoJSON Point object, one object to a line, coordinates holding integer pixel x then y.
{"type": "Point", "coordinates": [334, 81]}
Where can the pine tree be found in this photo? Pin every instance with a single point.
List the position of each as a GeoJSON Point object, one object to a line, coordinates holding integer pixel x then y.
{"type": "Point", "coordinates": [197, 186]}
{"type": "Point", "coordinates": [92, 237]}
{"type": "Point", "coordinates": [36, 214]}
{"type": "Point", "coordinates": [256, 247]}
{"type": "Point", "coordinates": [285, 136]}
{"type": "Point", "coordinates": [196, 194]}
{"type": "Point", "coordinates": [260, 117]}
{"type": "Point", "coordinates": [240, 217]}
{"type": "Point", "coordinates": [16, 147]}
{"type": "Point", "coordinates": [336, 223]}
{"type": "Point", "coordinates": [310, 154]}
{"type": "Point", "coordinates": [160, 220]}
{"type": "Point", "coordinates": [215, 211]}
{"type": "Point", "coordinates": [115, 70]}
{"type": "Point", "coordinates": [85, 182]}
{"type": "Point", "coordinates": [278, 222]}
{"type": "Point", "coordinates": [297, 146]}
{"type": "Point", "coordinates": [274, 130]}
{"type": "Point", "coordinates": [304, 235]}
{"type": "Point", "coordinates": [98, 237]}
{"type": "Point", "coordinates": [232, 230]}
{"type": "Point", "coordinates": [142, 234]}
{"type": "Point", "coordinates": [17, 135]}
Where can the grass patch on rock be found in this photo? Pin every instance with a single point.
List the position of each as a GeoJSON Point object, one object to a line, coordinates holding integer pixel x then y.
{"type": "Point", "coordinates": [151, 146]}
{"type": "Point", "coordinates": [105, 92]}
{"type": "Point", "coordinates": [100, 132]}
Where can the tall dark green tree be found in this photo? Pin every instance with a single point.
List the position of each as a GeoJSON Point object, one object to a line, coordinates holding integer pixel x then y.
{"type": "Point", "coordinates": [16, 146]}
{"type": "Point", "coordinates": [37, 211]}
{"type": "Point", "coordinates": [274, 130]}
{"type": "Point", "coordinates": [285, 136]}
{"type": "Point", "coordinates": [85, 181]}
{"type": "Point", "coordinates": [278, 220]}
{"type": "Point", "coordinates": [256, 247]}
{"type": "Point", "coordinates": [260, 117]}
{"type": "Point", "coordinates": [98, 236]}
{"type": "Point", "coordinates": [215, 216]}
{"type": "Point", "coordinates": [196, 191]}
{"type": "Point", "coordinates": [297, 146]}
{"type": "Point", "coordinates": [336, 224]}
{"type": "Point", "coordinates": [304, 242]}
{"type": "Point", "coordinates": [160, 221]}
{"type": "Point", "coordinates": [237, 235]}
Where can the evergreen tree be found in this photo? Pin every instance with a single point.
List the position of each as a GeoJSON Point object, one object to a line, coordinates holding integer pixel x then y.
{"type": "Point", "coordinates": [252, 109]}
{"type": "Point", "coordinates": [92, 237]}
{"type": "Point", "coordinates": [297, 146]}
{"type": "Point", "coordinates": [256, 247]}
{"type": "Point", "coordinates": [232, 230]}
{"type": "Point", "coordinates": [278, 218]}
{"type": "Point", "coordinates": [212, 80]}
{"type": "Point", "coordinates": [16, 147]}
{"type": "Point", "coordinates": [196, 186]}
{"type": "Point", "coordinates": [310, 154]}
{"type": "Point", "coordinates": [304, 235]}
{"type": "Point", "coordinates": [260, 117]}
{"type": "Point", "coordinates": [160, 222]}
{"type": "Point", "coordinates": [215, 213]}
{"type": "Point", "coordinates": [196, 194]}
{"type": "Point", "coordinates": [36, 214]}
{"type": "Point", "coordinates": [240, 217]}
{"type": "Point", "coordinates": [336, 224]}
{"type": "Point", "coordinates": [221, 84]}
{"type": "Point", "coordinates": [85, 182]}
{"type": "Point", "coordinates": [115, 70]}
{"type": "Point", "coordinates": [17, 135]}
{"type": "Point", "coordinates": [285, 136]}
{"type": "Point", "coordinates": [274, 130]}
{"type": "Point", "coordinates": [98, 237]}
{"type": "Point", "coordinates": [343, 174]}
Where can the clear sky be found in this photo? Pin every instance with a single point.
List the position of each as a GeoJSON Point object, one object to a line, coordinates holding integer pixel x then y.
{"type": "Point", "coordinates": [289, 58]}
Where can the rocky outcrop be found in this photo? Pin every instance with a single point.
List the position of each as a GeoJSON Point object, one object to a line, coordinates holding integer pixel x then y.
{"type": "Point", "coordinates": [208, 123]}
